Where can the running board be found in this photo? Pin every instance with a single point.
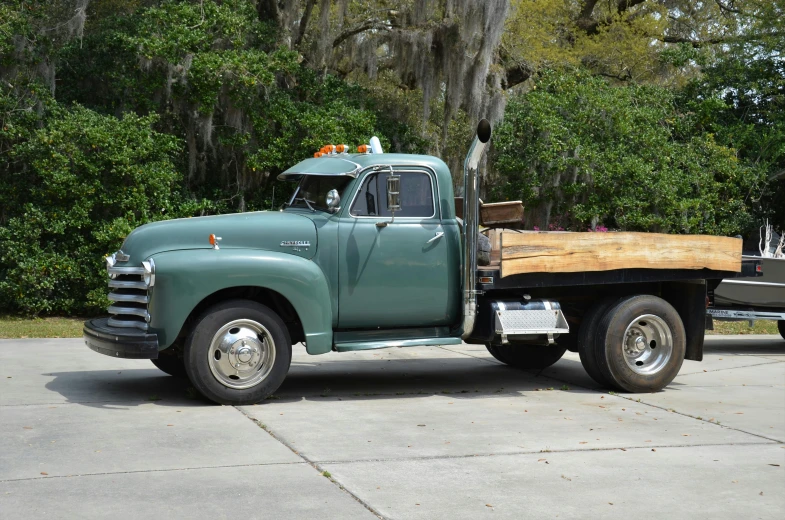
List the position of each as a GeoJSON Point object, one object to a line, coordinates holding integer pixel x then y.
{"type": "Point", "coordinates": [534, 317]}
{"type": "Point", "coordinates": [351, 341]}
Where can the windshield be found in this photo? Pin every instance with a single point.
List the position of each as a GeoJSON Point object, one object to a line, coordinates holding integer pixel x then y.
{"type": "Point", "coordinates": [312, 191]}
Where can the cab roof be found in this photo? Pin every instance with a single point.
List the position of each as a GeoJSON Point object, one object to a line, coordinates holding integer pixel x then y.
{"type": "Point", "coordinates": [351, 164]}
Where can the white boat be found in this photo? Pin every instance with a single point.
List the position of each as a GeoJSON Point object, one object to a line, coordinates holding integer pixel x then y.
{"type": "Point", "coordinates": [767, 291]}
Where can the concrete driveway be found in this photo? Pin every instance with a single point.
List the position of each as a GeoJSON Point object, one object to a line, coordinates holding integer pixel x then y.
{"type": "Point", "coordinates": [399, 433]}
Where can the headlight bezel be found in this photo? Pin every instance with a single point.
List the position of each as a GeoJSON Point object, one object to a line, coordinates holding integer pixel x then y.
{"type": "Point", "coordinates": [149, 272]}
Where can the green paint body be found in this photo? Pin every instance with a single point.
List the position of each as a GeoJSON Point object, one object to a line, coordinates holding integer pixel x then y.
{"type": "Point", "coordinates": [352, 275]}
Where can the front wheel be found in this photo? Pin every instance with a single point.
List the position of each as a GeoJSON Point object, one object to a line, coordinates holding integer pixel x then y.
{"type": "Point", "coordinates": [781, 327]}
{"type": "Point", "coordinates": [527, 356]}
{"type": "Point", "coordinates": [640, 344]}
{"type": "Point", "coordinates": [238, 353]}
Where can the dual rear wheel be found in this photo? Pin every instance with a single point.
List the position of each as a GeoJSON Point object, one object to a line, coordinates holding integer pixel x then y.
{"type": "Point", "coordinates": [632, 344]}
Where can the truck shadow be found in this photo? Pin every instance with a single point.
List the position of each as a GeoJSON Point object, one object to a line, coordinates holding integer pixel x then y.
{"type": "Point", "coordinates": [120, 389]}
{"type": "Point", "coordinates": [406, 379]}
{"type": "Point", "coordinates": [344, 380]}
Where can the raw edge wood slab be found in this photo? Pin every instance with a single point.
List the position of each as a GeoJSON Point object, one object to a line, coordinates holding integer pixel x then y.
{"type": "Point", "coordinates": [496, 213]}
{"type": "Point", "coordinates": [565, 252]}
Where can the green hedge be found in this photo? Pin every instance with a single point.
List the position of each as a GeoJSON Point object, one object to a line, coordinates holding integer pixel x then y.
{"type": "Point", "coordinates": [75, 188]}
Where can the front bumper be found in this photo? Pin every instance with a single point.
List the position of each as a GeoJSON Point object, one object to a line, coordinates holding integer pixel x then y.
{"type": "Point", "coordinates": [118, 341]}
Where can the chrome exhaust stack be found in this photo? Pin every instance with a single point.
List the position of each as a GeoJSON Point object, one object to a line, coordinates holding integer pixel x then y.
{"type": "Point", "coordinates": [471, 217]}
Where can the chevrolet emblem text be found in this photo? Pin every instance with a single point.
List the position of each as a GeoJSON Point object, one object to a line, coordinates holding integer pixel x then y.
{"type": "Point", "coordinates": [298, 245]}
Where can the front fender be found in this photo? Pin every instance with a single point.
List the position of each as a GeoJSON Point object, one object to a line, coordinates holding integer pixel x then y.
{"type": "Point", "coordinates": [186, 277]}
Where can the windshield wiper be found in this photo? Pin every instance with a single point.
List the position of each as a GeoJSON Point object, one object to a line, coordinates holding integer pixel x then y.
{"type": "Point", "coordinates": [307, 203]}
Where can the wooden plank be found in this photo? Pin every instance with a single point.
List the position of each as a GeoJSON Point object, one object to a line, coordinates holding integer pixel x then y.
{"type": "Point", "coordinates": [510, 212]}
{"type": "Point", "coordinates": [565, 252]}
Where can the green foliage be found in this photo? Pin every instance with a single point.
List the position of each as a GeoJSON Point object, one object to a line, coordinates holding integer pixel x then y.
{"type": "Point", "coordinates": [246, 107]}
{"type": "Point", "coordinates": [187, 100]}
{"type": "Point", "coordinates": [79, 185]}
{"type": "Point", "coordinates": [740, 99]}
{"type": "Point", "coordinates": [580, 152]}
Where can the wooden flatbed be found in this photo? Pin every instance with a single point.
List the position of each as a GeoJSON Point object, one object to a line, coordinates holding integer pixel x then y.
{"type": "Point", "coordinates": [521, 259]}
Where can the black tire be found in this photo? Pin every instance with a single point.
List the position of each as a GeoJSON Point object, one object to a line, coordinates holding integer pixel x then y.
{"type": "Point", "coordinates": [781, 327]}
{"type": "Point", "coordinates": [585, 337]}
{"type": "Point", "coordinates": [527, 356]}
{"type": "Point", "coordinates": [238, 321]}
{"type": "Point", "coordinates": [610, 346]}
{"type": "Point", "coordinates": [171, 364]}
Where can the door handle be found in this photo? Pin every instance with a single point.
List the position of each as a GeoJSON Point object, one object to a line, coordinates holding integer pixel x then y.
{"type": "Point", "coordinates": [439, 234]}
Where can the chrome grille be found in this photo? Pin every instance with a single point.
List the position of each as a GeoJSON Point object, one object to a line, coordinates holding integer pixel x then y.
{"type": "Point", "coordinates": [129, 297]}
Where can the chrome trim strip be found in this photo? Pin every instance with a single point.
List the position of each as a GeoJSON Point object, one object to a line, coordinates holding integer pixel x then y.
{"type": "Point", "coordinates": [126, 270]}
{"type": "Point", "coordinates": [370, 171]}
{"type": "Point", "coordinates": [136, 298]}
{"type": "Point", "coordinates": [130, 311]}
{"type": "Point", "coordinates": [757, 284]}
{"type": "Point", "coordinates": [112, 322]}
{"type": "Point", "coordinates": [126, 284]}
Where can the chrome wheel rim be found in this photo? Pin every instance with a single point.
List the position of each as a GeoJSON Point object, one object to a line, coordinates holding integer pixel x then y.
{"type": "Point", "coordinates": [647, 344]}
{"type": "Point", "coordinates": [241, 354]}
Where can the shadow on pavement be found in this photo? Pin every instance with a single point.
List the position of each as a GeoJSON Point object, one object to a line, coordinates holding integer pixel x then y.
{"type": "Point", "coordinates": [401, 379]}
{"type": "Point", "coordinates": [108, 388]}
{"type": "Point", "coordinates": [350, 380]}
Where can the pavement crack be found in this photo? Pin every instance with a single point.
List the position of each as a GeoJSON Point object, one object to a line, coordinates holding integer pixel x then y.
{"type": "Point", "coordinates": [670, 410]}
{"type": "Point", "coordinates": [492, 361]}
{"type": "Point", "coordinates": [546, 452]}
{"type": "Point", "coordinates": [772, 362]}
{"type": "Point", "coordinates": [161, 470]}
{"type": "Point", "coordinates": [315, 465]}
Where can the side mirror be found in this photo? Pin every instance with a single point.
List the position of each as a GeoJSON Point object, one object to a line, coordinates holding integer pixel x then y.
{"type": "Point", "coordinates": [333, 200]}
{"type": "Point", "coordinates": [393, 193]}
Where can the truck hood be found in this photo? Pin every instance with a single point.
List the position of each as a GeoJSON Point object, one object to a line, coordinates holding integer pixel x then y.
{"type": "Point", "coordinates": [269, 230]}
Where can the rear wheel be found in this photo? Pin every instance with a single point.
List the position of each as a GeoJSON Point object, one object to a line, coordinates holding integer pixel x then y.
{"type": "Point", "coordinates": [640, 343]}
{"type": "Point", "coordinates": [527, 356]}
{"type": "Point", "coordinates": [781, 327]}
{"type": "Point", "coordinates": [585, 339]}
{"type": "Point", "coordinates": [238, 353]}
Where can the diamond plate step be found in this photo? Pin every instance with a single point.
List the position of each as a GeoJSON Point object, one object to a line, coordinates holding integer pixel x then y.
{"type": "Point", "coordinates": [540, 321]}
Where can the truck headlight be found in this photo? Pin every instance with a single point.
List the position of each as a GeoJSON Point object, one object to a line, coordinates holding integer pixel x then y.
{"type": "Point", "coordinates": [149, 272]}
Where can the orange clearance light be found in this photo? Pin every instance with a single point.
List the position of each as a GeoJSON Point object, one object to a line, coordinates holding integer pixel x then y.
{"type": "Point", "coordinates": [318, 154]}
{"type": "Point", "coordinates": [363, 148]}
{"type": "Point", "coordinates": [212, 240]}
{"type": "Point", "coordinates": [340, 148]}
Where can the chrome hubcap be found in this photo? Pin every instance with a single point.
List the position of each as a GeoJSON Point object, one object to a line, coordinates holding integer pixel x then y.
{"type": "Point", "coordinates": [648, 344]}
{"type": "Point", "coordinates": [241, 354]}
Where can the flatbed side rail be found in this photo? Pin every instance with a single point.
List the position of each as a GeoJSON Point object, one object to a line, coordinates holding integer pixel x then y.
{"type": "Point", "coordinates": [490, 279]}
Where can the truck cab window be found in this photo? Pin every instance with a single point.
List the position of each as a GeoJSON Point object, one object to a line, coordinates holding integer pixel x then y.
{"type": "Point", "coordinates": [416, 196]}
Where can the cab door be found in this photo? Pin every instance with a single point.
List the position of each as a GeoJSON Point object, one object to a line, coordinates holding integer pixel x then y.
{"type": "Point", "coordinates": [394, 274]}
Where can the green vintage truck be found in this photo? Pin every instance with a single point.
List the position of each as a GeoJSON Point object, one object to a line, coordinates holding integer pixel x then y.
{"type": "Point", "coordinates": [368, 253]}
